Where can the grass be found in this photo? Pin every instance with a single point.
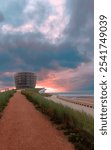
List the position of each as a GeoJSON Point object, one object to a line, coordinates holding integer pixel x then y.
{"type": "Point", "coordinates": [78, 126]}
{"type": "Point", "coordinates": [4, 98]}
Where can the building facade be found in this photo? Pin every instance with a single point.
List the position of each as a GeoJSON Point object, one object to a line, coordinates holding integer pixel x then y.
{"type": "Point", "coordinates": [25, 80]}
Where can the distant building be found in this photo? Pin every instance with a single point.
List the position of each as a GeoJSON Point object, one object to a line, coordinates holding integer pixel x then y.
{"type": "Point", "coordinates": [25, 80]}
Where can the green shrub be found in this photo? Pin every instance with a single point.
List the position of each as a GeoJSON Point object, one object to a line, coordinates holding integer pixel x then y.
{"type": "Point", "coordinates": [4, 98]}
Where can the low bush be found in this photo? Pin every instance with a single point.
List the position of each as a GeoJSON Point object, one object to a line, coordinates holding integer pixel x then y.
{"type": "Point", "coordinates": [4, 98]}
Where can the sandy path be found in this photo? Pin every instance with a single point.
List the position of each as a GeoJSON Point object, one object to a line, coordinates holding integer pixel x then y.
{"type": "Point", "coordinates": [22, 127]}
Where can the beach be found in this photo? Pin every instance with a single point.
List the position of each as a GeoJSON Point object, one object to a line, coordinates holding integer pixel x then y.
{"type": "Point", "coordinates": [79, 103]}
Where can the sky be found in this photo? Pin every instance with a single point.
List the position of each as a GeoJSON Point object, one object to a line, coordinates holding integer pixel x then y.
{"type": "Point", "coordinates": [53, 38]}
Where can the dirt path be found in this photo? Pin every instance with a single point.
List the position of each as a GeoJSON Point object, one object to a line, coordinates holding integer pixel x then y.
{"type": "Point", "coordinates": [22, 127]}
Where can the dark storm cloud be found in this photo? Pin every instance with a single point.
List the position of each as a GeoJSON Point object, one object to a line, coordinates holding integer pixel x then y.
{"type": "Point", "coordinates": [1, 17]}
{"type": "Point", "coordinates": [80, 30]}
{"type": "Point", "coordinates": [36, 54]}
{"type": "Point", "coordinates": [82, 17]}
{"type": "Point", "coordinates": [22, 50]}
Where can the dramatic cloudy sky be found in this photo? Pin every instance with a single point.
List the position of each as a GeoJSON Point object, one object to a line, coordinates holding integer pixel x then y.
{"type": "Point", "coordinates": [53, 38]}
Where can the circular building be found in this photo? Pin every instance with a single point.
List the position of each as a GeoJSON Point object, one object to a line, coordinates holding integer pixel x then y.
{"type": "Point", "coordinates": [25, 80]}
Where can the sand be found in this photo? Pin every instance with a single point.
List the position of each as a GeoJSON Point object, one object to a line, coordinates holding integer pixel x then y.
{"type": "Point", "coordinates": [75, 103]}
{"type": "Point", "coordinates": [22, 127]}
{"type": "Point", "coordinates": [85, 101]}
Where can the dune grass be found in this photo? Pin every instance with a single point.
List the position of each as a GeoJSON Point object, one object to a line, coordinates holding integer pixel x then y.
{"type": "Point", "coordinates": [78, 126]}
{"type": "Point", "coordinates": [4, 98]}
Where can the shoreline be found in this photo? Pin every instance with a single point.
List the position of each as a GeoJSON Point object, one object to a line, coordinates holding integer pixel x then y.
{"type": "Point", "coordinates": [86, 101]}
{"type": "Point", "coordinates": [82, 106]}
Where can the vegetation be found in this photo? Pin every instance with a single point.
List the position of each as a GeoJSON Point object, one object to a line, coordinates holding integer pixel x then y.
{"type": "Point", "coordinates": [79, 127]}
{"type": "Point", "coordinates": [4, 98]}
{"type": "Point", "coordinates": [46, 94]}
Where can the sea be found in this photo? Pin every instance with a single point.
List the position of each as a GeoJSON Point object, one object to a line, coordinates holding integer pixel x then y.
{"type": "Point", "coordinates": [76, 94]}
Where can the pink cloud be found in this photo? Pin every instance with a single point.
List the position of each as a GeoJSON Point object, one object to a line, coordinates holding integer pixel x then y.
{"type": "Point", "coordinates": [25, 28]}
{"type": "Point", "coordinates": [67, 79]}
{"type": "Point", "coordinates": [63, 79]}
